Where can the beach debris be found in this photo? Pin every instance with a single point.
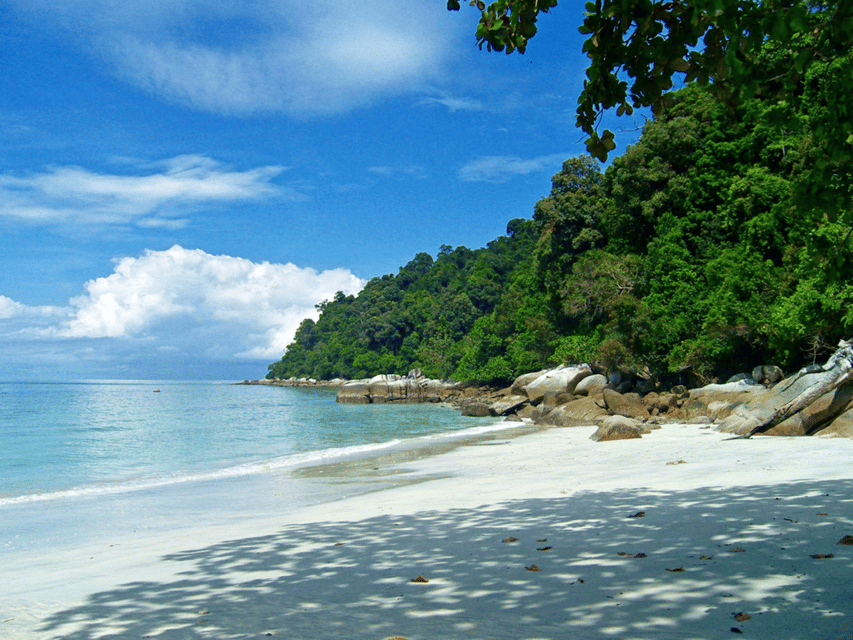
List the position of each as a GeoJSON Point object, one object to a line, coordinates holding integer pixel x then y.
{"type": "Point", "coordinates": [339, 544]}
{"type": "Point", "coordinates": [846, 540]}
{"type": "Point", "coordinates": [419, 579]}
{"type": "Point", "coordinates": [737, 550]}
{"type": "Point", "coordinates": [740, 617]}
{"type": "Point", "coordinates": [821, 556]}
{"type": "Point", "coordinates": [510, 539]}
{"type": "Point", "coordinates": [533, 567]}
{"type": "Point", "coordinates": [706, 557]}
{"type": "Point", "coordinates": [736, 630]}
{"type": "Point", "coordinates": [676, 570]}
{"type": "Point", "coordinates": [396, 638]}
{"type": "Point", "coordinates": [630, 555]}
{"type": "Point", "coordinates": [204, 613]}
{"type": "Point", "coordinates": [674, 462]}
{"type": "Point", "coordinates": [544, 548]}
{"type": "Point", "coordinates": [543, 540]}
{"type": "Point", "coordinates": [820, 513]}
{"type": "Point", "coordinates": [639, 514]}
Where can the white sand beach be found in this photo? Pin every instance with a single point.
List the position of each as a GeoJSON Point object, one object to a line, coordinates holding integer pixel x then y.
{"type": "Point", "coordinates": [683, 534]}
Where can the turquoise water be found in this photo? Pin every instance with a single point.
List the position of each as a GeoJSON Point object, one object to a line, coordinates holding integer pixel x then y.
{"type": "Point", "coordinates": [81, 458]}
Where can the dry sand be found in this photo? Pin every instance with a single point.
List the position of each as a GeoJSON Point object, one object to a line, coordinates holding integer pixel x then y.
{"type": "Point", "coordinates": [682, 534]}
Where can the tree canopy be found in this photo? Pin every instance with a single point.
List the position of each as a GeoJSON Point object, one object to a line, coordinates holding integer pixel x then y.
{"type": "Point", "coordinates": [743, 49]}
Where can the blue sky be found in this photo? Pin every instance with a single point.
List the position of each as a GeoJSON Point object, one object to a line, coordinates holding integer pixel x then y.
{"type": "Point", "coordinates": [181, 181]}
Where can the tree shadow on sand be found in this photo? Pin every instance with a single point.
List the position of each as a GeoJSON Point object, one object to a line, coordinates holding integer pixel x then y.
{"type": "Point", "coordinates": [685, 568]}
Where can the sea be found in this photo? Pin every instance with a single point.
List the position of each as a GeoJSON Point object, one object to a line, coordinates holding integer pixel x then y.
{"type": "Point", "coordinates": [102, 459]}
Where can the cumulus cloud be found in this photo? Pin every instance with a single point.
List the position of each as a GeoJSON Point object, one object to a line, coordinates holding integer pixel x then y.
{"type": "Point", "coordinates": [505, 168]}
{"type": "Point", "coordinates": [202, 305]}
{"type": "Point", "coordinates": [151, 197]}
{"type": "Point", "coordinates": [326, 56]}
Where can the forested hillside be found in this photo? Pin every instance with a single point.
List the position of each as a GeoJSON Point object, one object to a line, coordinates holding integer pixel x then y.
{"type": "Point", "coordinates": [686, 253]}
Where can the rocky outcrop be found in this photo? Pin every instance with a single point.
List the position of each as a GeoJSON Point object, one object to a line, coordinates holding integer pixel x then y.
{"type": "Point", "coordinates": [390, 388]}
{"type": "Point", "coordinates": [816, 400]}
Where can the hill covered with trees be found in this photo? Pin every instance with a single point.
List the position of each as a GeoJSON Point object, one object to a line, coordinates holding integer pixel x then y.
{"type": "Point", "coordinates": [691, 251]}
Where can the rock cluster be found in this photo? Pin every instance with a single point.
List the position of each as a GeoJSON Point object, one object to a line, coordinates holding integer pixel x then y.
{"type": "Point", "coordinates": [620, 406]}
{"type": "Point", "coordinates": [575, 396]}
{"type": "Point", "coordinates": [414, 388]}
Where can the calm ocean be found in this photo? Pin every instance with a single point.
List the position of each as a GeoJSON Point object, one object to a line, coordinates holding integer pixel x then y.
{"type": "Point", "coordinates": [79, 460]}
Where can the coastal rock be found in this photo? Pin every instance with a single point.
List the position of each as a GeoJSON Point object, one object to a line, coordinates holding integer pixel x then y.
{"type": "Point", "coordinates": [560, 380]}
{"type": "Point", "coordinates": [591, 385]}
{"type": "Point", "coordinates": [812, 419]}
{"type": "Point", "coordinates": [476, 410]}
{"type": "Point", "coordinates": [817, 415]}
{"type": "Point", "coordinates": [629, 405]}
{"type": "Point", "coordinates": [388, 388]}
{"type": "Point", "coordinates": [507, 405]}
{"type": "Point", "coordinates": [581, 412]}
{"type": "Point", "coordinates": [354, 392]}
{"type": "Point", "coordinates": [617, 428]}
{"type": "Point", "coordinates": [840, 427]}
{"type": "Point", "coordinates": [523, 380]}
{"type": "Point", "coordinates": [394, 389]}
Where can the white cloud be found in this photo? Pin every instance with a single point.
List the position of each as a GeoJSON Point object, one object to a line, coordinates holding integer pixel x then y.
{"type": "Point", "coordinates": [11, 309]}
{"type": "Point", "coordinates": [150, 198]}
{"type": "Point", "coordinates": [453, 104]}
{"type": "Point", "coordinates": [206, 306]}
{"type": "Point", "coordinates": [505, 168]}
{"type": "Point", "coordinates": [325, 56]}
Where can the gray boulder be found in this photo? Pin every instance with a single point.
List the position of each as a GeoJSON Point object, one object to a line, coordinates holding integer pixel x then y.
{"type": "Point", "coordinates": [523, 380]}
{"type": "Point", "coordinates": [767, 374]}
{"type": "Point", "coordinates": [507, 405]}
{"type": "Point", "coordinates": [591, 385]}
{"type": "Point", "coordinates": [354, 392]}
{"type": "Point", "coordinates": [629, 405]}
{"type": "Point", "coordinates": [583, 411]}
{"type": "Point", "coordinates": [476, 409]}
{"type": "Point", "coordinates": [618, 428]}
{"type": "Point", "coordinates": [560, 380]}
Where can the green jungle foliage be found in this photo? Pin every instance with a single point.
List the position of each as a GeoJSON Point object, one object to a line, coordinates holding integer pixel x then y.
{"type": "Point", "coordinates": [690, 251]}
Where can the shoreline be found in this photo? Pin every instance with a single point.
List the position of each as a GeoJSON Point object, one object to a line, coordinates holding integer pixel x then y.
{"type": "Point", "coordinates": [342, 568]}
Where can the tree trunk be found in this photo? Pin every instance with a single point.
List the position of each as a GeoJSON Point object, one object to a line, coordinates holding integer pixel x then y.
{"type": "Point", "coordinates": [839, 369]}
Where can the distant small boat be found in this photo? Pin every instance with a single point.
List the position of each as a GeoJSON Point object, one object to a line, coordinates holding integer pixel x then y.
{"type": "Point", "coordinates": [156, 390]}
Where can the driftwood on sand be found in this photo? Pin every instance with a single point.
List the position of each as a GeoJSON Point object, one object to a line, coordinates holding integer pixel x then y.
{"type": "Point", "coordinates": [838, 370]}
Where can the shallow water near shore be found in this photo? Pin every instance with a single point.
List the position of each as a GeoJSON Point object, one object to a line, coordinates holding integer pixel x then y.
{"type": "Point", "coordinates": [84, 461]}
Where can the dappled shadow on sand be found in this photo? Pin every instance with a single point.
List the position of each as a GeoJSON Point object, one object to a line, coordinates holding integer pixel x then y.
{"type": "Point", "coordinates": [353, 579]}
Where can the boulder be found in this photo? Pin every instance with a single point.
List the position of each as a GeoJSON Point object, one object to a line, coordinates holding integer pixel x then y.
{"type": "Point", "coordinates": [582, 411]}
{"type": "Point", "coordinates": [523, 380]}
{"type": "Point", "coordinates": [767, 374]}
{"type": "Point", "coordinates": [507, 405]}
{"type": "Point", "coordinates": [813, 418]}
{"type": "Point", "coordinates": [354, 392]}
{"type": "Point", "coordinates": [388, 388]}
{"type": "Point", "coordinates": [476, 409]}
{"type": "Point", "coordinates": [817, 415]}
{"type": "Point", "coordinates": [840, 427]}
{"type": "Point", "coordinates": [617, 428]}
{"type": "Point", "coordinates": [591, 385]}
{"type": "Point", "coordinates": [629, 405]}
{"type": "Point", "coordinates": [429, 390]}
{"type": "Point", "coordinates": [560, 380]}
